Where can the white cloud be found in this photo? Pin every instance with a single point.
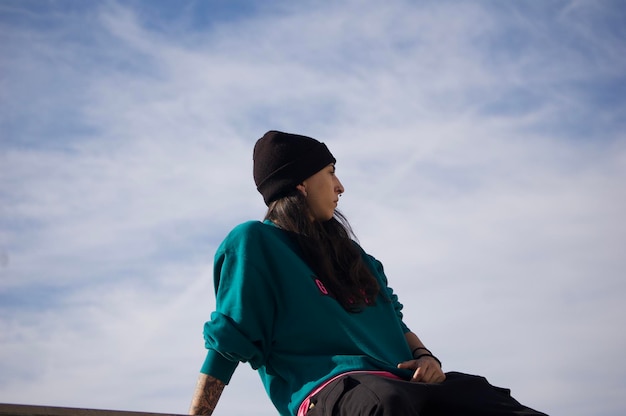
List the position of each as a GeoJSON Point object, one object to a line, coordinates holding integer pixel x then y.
{"type": "Point", "coordinates": [480, 162]}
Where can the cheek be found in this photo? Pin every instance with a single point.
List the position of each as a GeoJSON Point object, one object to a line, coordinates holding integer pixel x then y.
{"type": "Point", "coordinates": [323, 211]}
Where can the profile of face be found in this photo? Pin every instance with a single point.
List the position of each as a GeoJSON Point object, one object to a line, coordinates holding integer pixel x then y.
{"type": "Point", "coordinates": [321, 192]}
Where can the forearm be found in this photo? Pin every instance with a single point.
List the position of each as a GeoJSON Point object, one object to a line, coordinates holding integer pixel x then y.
{"type": "Point", "coordinates": [206, 396]}
{"type": "Point", "coordinates": [413, 341]}
{"type": "Point", "coordinates": [418, 348]}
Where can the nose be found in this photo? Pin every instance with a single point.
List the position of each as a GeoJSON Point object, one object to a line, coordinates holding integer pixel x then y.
{"type": "Point", "coordinates": [339, 187]}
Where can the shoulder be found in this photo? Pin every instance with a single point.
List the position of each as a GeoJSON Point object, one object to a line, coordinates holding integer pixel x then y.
{"type": "Point", "coordinates": [373, 263]}
{"type": "Point", "coordinates": [253, 228]}
{"type": "Point", "coordinates": [249, 233]}
{"type": "Point", "coordinates": [246, 228]}
{"type": "Point", "coordinates": [367, 258]}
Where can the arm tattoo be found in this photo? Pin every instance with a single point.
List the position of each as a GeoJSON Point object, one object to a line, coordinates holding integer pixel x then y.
{"type": "Point", "coordinates": [206, 396]}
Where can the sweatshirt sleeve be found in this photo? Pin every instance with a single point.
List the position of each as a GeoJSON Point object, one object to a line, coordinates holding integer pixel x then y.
{"type": "Point", "coordinates": [380, 273]}
{"type": "Point", "coordinates": [240, 329]}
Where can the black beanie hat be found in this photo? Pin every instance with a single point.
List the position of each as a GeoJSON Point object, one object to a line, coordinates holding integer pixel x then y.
{"type": "Point", "coordinates": [283, 160]}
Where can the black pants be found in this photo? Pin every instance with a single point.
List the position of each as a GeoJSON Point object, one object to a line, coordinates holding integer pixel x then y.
{"type": "Point", "coordinates": [459, 395]}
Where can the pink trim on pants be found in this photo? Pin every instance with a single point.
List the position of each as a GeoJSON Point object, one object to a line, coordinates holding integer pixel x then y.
{"type": "Point", "coordinates": [304, 406]}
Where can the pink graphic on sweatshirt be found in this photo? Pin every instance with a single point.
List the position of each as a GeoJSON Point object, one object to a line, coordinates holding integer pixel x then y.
{"type": "Point", "coordinates": [321, 286]}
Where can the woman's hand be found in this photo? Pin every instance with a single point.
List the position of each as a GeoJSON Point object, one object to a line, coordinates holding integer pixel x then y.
{"type": "Point", "coordinates": [427, 370]}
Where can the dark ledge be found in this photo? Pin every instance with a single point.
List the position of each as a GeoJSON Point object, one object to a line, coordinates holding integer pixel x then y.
{"type": "Point", "coordinates": [27, 410]}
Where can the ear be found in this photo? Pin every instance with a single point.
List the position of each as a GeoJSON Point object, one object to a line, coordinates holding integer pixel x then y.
{"type": "Point", "coordinates": [301, 188]}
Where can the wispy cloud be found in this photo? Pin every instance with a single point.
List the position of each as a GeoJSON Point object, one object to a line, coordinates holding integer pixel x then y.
{"type": "Point", "coordinates": [481, 146]}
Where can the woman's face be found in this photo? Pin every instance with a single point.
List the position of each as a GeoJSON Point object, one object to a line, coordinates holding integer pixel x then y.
{"type": "Point", "coordinates": [322, 193]}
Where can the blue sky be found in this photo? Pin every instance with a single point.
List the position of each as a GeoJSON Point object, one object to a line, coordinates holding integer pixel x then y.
{"type": "Point", "coordinates": [481, 144]}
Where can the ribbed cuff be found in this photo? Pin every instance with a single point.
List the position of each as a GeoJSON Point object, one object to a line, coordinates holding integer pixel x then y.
{"type": "Point", "coordinates": [219, 367]}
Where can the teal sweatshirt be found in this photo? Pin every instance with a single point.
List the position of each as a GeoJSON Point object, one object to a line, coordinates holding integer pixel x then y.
{"type": "Point", "coordinates": [273, 312]}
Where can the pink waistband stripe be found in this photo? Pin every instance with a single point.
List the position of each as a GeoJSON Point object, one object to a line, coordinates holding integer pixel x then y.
{"type": "Point", "coordinates": [304, 406]}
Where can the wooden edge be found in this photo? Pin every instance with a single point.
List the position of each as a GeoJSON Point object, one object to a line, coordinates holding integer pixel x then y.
{"type": "Point", "coordinates": [7, 409]}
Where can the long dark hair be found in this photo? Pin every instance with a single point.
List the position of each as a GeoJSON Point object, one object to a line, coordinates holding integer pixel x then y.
{"type": "Point", "coordinates": [329, 248]}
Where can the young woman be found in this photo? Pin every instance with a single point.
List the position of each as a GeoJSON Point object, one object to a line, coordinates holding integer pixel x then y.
{"type": "Point", "coordinates": [298, 299]}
